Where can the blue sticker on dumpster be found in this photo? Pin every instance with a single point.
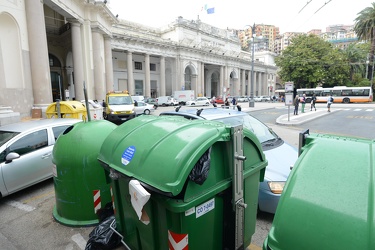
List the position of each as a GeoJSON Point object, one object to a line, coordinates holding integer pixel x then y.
{"type": "Point", "coordinates": [128, 155]}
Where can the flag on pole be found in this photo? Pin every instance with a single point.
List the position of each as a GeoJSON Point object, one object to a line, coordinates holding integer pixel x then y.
{"type": "Point", "coordinates": [208, 10]}
{"type": "Point", "coordinates": [211, 10]}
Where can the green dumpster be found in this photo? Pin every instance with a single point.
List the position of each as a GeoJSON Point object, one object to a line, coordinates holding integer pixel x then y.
{"type": "Point", "coordinates": [328, 200]}
{"type": "Point", "coordinates": [173, 184]}
{"type": "Point", "coordinates": [81, 188]}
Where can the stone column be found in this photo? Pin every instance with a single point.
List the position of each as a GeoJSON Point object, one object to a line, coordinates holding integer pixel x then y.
{"type": "Point", "coordinates": [147, 76]}
{"type": "Point", "coordinates": [162, 77]}
{"type": "Point", "coordinates": [108, 62]}
{"type": "Point", "coordinates": [220, 93]}
{"type": "Point", "coordinates": [98, 51]}
{"type": "Point", "coordinates": [39, 61]}
{"type": "Point", "coordinates": [131, 87]}
{"type": "Point", "coordinates": [243, 82]}
{"type": "Point", "coordinates": [77, 61]}
{"type": "Point", "coordinates": [206, 89]}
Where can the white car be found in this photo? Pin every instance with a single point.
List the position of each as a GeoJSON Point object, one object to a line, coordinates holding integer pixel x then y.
{"type": "Point", "coordinates": [262, 98]}
{"type": "Point", "coordinates": [26, 152]}
{"type": "Point", "coordinates": [143, 108]}
{"type": "Point", "coordinates": [200, 101]}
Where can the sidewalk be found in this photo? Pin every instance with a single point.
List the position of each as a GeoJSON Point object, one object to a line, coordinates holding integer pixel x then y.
{"type": "Point", "coordinates": [288, 119]}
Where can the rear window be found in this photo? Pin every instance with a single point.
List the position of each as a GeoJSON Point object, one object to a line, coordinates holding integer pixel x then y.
{"type": "Point", "coordinates": [262, 132]}
{"type": "Point", "coordinates": [58, 130]}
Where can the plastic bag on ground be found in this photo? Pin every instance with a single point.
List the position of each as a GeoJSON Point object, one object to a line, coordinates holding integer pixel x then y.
{"type": "Point", "coordinates": [102, 237]}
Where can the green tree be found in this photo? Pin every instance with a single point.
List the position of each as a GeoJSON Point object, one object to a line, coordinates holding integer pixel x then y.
{"type": "Point", "coordinates": [364, 28]}
{"type": "Point", "coordinates": [357, 58]}
{"type": "Point", "coordinates": [310, 61]}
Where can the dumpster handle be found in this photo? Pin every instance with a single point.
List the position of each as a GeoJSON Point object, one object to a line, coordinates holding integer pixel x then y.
{"type": "Point", "coordinates": [114, 230]}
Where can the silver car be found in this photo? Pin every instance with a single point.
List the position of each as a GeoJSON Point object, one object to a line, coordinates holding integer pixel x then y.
{"type": "Point", "coordinates": [26, 152]}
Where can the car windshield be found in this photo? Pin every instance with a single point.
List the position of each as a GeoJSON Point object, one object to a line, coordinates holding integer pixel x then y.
{"type": "Point", "coordinates": [263, 133]}
{"type": "Point", "coordinates": [6, 136]}
{"type": "Point", "coordinates": [120, 100]}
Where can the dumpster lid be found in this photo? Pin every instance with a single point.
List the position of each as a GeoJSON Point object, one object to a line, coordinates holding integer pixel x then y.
{"type": "Point", "coordinates": [329, 197]}
{"type": "Point", "coordinates": [160, 151]}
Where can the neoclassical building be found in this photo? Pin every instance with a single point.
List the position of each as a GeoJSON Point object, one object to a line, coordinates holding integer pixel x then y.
{"type": "Point", "coordinates": [58, 49]}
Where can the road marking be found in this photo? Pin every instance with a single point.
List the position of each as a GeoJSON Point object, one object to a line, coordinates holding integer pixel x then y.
{"type": "Point", "coordinates": [20, 206]}
{"type": "Point", "coordinates": [37, 197]}
{"type": "Point", "coordinates": [253, 247]}
{"type": "Point", "coordinates": [357, 110]}
{"type": "Point", "coordinates": [81, 242]}
{"type": "Point", "coordinates": [369, 110]}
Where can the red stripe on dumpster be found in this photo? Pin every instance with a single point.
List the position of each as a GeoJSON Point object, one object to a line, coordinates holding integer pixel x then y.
{"type": "Point", "coordinates": [113, 201]}
{"type": "Point", "coordinates": [97, 201]}
{"type": "Point", "coordinates": [177, 241]}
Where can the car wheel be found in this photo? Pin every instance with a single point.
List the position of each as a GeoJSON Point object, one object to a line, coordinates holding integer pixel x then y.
{"type": "Point", "coordinates": [346, 100]}
{"type": "Point", "coordinates": [105, 117]}
{"type": "Point", "coordinates": [192, 104]}
{"type": "Point", "coordinates": [207, 104]}
{"type": "Point", "coordinates": [146, 111]}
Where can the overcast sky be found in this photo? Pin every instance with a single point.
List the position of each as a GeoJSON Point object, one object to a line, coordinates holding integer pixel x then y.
{"type": "Point", "coordinates": [288, 15]}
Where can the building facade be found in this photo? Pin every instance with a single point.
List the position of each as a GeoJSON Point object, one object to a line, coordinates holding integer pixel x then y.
{"type": "Point", "coordinates": [59, 49]}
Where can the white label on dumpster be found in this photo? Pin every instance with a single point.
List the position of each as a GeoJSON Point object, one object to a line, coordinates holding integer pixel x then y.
{"type": "Point", "coordinates": [190, 211]}
{"type": "Point", "coordinates": [205, 208]}
{"type": "Point", "coordinates": [128, 155]}
{"type": "Point", "coordinates": [54, 170]}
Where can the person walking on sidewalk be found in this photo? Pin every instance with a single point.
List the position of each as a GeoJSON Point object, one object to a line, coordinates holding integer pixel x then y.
{"type": "Point", "coordinates": [303, 101]}
{"type": "Point", "coordinates": [329, 102]}
{"type": "Point", "coordinates": [296, 104]}
{"type": "Point", "coordinates": [313, 101]}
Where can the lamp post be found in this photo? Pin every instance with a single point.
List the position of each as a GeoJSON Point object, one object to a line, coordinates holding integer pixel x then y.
{"type": "Point", "coordinates": [251, 101]}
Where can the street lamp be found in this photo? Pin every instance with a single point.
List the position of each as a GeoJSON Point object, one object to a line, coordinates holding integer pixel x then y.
{"type": "Point", "coordinates": [251, 101]}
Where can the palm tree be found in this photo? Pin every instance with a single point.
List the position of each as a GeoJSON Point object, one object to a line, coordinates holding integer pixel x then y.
{"type": "Point", "coordinates": [365, 29]}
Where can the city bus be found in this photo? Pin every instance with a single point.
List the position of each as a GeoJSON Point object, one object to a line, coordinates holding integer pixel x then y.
{"type": "Point", "coordinates": [341, 94]}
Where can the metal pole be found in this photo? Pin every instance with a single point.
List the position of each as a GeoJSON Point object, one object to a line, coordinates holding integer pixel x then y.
{"type": "Point", "coordinates": [87, 102]}
{"type": "Point", "coordinates": [251, 102]}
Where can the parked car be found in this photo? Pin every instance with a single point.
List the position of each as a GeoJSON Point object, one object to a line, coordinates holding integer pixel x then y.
{"type": "Point", "coordinates": [219, 100]}
{"type": "Point", "coordinates": [242, 99]}
{"type": "Point", "coordinates": [280, 155]}
{"type": "Point", "coordinates": [200, 101]}
{"type": "Point", "coordinates": [166, 101]}
{"type": "Point", "coordinates": [143, 108]}
{"type": "Point", "coordinates": [262, 98]}
{"type": "Point", "coordinates": [26, 152]}
{"type": "Point", "coordinates": [152, 101]}
{"type": "Point", "coordinates": [138, 98]}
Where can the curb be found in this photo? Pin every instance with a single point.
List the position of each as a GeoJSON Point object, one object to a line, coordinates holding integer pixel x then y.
{"type": "Point", "coordinates": [283, 120]}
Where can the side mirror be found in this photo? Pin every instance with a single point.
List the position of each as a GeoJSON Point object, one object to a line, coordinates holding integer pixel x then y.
{"type": "Point", "coordinates": [11, 156]}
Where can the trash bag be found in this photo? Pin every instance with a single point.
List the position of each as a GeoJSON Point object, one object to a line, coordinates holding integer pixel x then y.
{"type": "Point", "coordinates": [200, 171]}
{"type": "Point", "coordinates": [102, 237]}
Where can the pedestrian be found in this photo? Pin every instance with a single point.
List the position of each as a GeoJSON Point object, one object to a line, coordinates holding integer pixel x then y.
{"type": "Point", "coordinates": [313, 101]}
{"type": "Point", "coordinates": [234, 102]}
{"type": "Point", "coordinates": [303, 101]}
{"type": "Point", "coordinates": [213, 100]}
{"type": "Point", "coordinates": [329, 102]}
{"type": "Point", "coordinates": [296, 104]}
{"type": "Point", "coordinates": [226, 103]}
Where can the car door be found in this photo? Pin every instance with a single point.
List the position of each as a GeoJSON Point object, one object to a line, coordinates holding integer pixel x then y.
{"type": "Point", "coordinates": [34, 163]}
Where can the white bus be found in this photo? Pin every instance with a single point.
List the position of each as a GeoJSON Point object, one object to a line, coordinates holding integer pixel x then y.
{"type": "Point", "coordinates": [340, 94]}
